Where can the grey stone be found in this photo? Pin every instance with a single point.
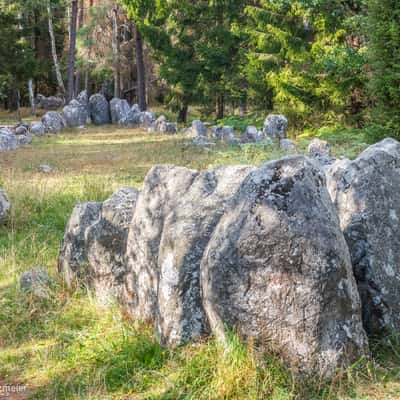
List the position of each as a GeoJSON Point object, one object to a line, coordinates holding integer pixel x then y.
{"type": "Point", "coordinates": [287, 145]}
{"type": "Point", "coordinates": [73, 262]}
{"type": "Point", "coordinates": [123, 114]}
{"type": "Point", "coordinates": [147, 118]}
{"type": "Point", "coordinates": [36, 282]}
{"type": "Point", "coordinates": [21, 130]}
{"type": "Point", "coordinates": [106, 241]}
{"type": "Point", "coordinates": [161, 125]}
{"type": "Point", "coordinates": [75, 114]}
{"type": "Point", "coordinates": [198, 128]}
{"type": "Point", "coordinates": [319, 148]}
{"type": "Point", "coordinates": [83, 99]}
{"type": "Point", "coordinates": [53, 122]}
{"type": "Point", "coordinates": [5, 207]}
{"type": "Point", "coordinates": [99, 109]}
{"type": "Point", "coordinates": [252, 135]}
{"type": "Point", "coordinates": [366, 194]}
{"type": "Point", "coordinates": [277, 270]}
{"type": "Point", "coordinates": [8, 141]}
{"type": "Point", "coordinates": [275, 126]}
{"type": "Point", "coordinates": [37, 128]}
{"type": "Point", "coordinates": [24, 140]}
{"type": "Point", "coordinates": [45, 169]}
{"type": "Point", "coordinates": [49, 103]}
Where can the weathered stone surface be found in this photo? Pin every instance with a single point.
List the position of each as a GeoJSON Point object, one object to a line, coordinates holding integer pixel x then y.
{"type": "Point", "coordinates": [37, 128]}
{"type": "Point", "coordinates": [45, 169]}
{"type": "Point", "coordinates": [5, 207]}
{"type": "Point", "coordinates": [147, 118]}
{"type": "Point", "coordinates": [24, 140]}
{"type": "Point", "coordinates": [21, 130]}
{"type": "Point", "coordinates": [35, 282]}
{"type": "Point", "coordinates": [99, 109]}
{"type": "Point", "coordinates": [198, 128]}
{"type": "Point", "coordinates": [275, 126]}
{"type": "Point", "coordinates": [252, 135]}
{"type": "Point", "coordinates": [73, 259]}
{"type": "Point", "coordinates": [53, 122]}
{"type": "Point", "coordinates": [186, 231]}
{"type": "Point", "coordinates": [161, 125]}
{"type": "Point", "coordinates": [123, 114]}
{"type": "Point", "coordinates": [106, 245]}
{"type": "Point", "coordinates": [287, 145]}
{"type": "Point", "coordinates": [319, 148]}
{"type": "Point", "coordinates": [49, 103]}
{"type": "Point", "coordinates": [75, 114]}
{"type": "Point", "coordinates": [277, 269]}
{"type": "Point", "coordinates": [366, 194]}
{"type": "Point", "coordinates": [83, 99]}
{"type": "Point", "coordinates": [224, 133]}
{"type": "Point", "coordinates": [8, 141]}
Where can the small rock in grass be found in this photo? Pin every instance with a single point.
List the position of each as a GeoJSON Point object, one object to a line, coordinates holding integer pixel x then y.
{"type": "Point", "coordinates": [36, 282]}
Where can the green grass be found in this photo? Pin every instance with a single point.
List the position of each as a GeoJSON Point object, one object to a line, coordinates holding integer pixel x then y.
{"type": "Point", "coordinates": [67, 347]}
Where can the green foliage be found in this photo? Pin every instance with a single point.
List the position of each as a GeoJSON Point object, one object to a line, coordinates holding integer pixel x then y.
{"type": "Point", "coordinates": [384, 57]}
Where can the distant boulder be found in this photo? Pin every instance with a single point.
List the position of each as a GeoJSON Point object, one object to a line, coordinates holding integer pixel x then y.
{"type": "Point", "coordinates": [75, 114]}
{"type": "Point", "coordinates": [99, 109]}
{"type": "Point", "coordinates": [49, 103]}
{"type": "Point", "coordinates": [37, 128]}
{"type": "Point", "coordinates": [276, 126]}
{"type": "Point", "coordinates": [252, 135]}
{"type": "Point", "coordinates": [53, 122]}
{"type": "Point", "coordinates": [161, 125]}
{"type": "Point", "coordinates": [287, 145]}
{"type": "Point", "coordinates": [8, 141]}
{"type": "Point", "coordinates": [5, 207]}
{"type": "Point", "coordinates": [122, 114]}
{"type": "Point", "coordinates": [35, 282]}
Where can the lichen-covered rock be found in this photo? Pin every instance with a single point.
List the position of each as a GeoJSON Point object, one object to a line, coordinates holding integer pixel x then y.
{"type": "Point", "coordinates": [252, 135]}
{"type": "Point", "coordinates": [49, 103]}
{"type": "Point", "coordinates": [53, 122]}
{"type": "Point", "coordinates": [5, 207]}
{"type": "Point", "coordinates": [8, 141]}
{"type": "Point", "coordinates": [366, 194]}
{"type": "Point", "coordinates": [99, 109]}
{"type": "Point", "coordinates": [319, 148]}
{"type": "Point", "coordinates": [147, 118]}
{"type": "Point", "coordinates": [37, 128]}
{"type": "Point", "coordinates": [161, 125]}
{"type": "Point", "coordinates": [275, 126]}
{"type": "Point", "coordinates": [186, 231]}
{"type": "Point", "coordinates": [287, 145]}
{"type": "Point", "coordinates": [277, 269]}
{"type": "Point", "coordinates": [224, 133]}
{"type": "Point", "coordinates": [24, 140]}
{"type": "Point", "coordinates": [36, 282]}
{"type": "Point", "coordinates": [198, 128]}
{"type": "Point", "coordinates": [106, 245]}
{"type": "Point", "coordinates": [83, 99]}
{"type": "Point", "coordinates": [123, 114]}
{"type": "Point", "coordinates": [73, 259]}
{"type": "Point", "coordinates": [75, 114]}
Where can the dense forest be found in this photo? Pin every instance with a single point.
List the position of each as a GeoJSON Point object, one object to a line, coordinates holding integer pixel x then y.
{"type": "Point", "coordinates": [316, 61]}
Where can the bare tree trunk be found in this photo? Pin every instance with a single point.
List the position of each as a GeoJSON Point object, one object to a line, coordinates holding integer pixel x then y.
{"type": "Point", "coordinates": [60, 82]}
{"type": "Point", "coordinates": [19, 106]}
{"type": "Point", "coordinates": [220, 106]}
{"type": "Point", "coordinates": [31, 97]}
{"type": "Point", "coordinates": [141, 71]}
{"type": "Point", "coordinates": [183, 112]}
{"type": "Point", "coordinates": [72, 49]}
{"type": "Point", "coordinates": [116, 51]}
{"type": "Point", "coordinates": [78, 77]}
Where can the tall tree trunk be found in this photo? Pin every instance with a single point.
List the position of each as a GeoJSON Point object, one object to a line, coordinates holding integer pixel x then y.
{"type": "Point", "coordinates": [31, 97]}
{"type": "Point", "coordinates": [116, 51]}
{"type": "Point", "coordinates": [183, 112]}
{"type": "Point", "coordinates": [78, 77]}
{"type": "Point", "coordinates": [141, 71]}
{"type": "Point", "coordinates": [220, 106]}
{"type": "Point", "coordinates": [60, 82]}
{"type": "Point", "coordinates": [72, 49]}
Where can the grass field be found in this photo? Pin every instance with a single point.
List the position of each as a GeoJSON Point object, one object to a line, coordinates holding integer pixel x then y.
{"type": "Point", "coordinates": [66, 347]}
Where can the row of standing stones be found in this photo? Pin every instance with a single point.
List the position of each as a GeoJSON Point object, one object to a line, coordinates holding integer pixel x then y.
{"type": "Point", "coordinates": [99, 111]}
{"type": "Point", "coordinates": [299, 257]}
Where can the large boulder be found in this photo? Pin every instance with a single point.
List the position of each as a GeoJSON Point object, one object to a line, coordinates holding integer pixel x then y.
{"type": "Point", "coordinates": [366, 194]}
{"type": "Point", "coordinates": [277, 269]}
{"type": "Point", "coordinates": [123, 114]}
{"type": "Point", "coordinates": [106, 245]}
{"type": "Point", "coordinates": [73, 257]}
{"type": "Point", "coordinates": [276, 126]}
{"type": "Point", "coordinates": [186, 231]}
{"type": "Point", "coordinates": [53, 122]}
{"type": "Point", "coordinates": [49, 103]}
{"type": "Point", "coordinates": [37, 128]}
{"type": "Point", "coordinates": [5, 207]}
{"type": "Point", "coordinates": [99, 109]}
{"type": "Point", "coordinates": [75, 114]}
{"type": "Point", "coordinates": [8, 141]}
